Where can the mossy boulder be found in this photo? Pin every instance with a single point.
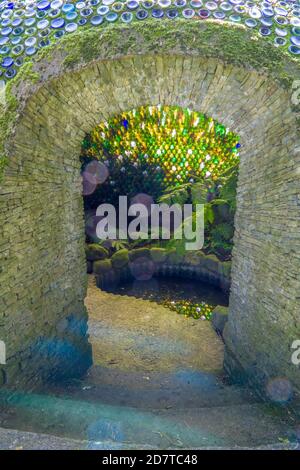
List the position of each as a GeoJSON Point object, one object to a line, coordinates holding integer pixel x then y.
{"type": "Point", "coordinates": [139, 253]}
{"type": "Point", "coordinates": [225, 269]}
{"type": "Point", "coordinates": [120, 258]}
{"type": "Point", "coordinates": [158, 255]}
{"type": "Point", "coordinates": [211, 263]}
{"type": "Point", "coordinates": [102, 266]}
{"type": "Point", "coordinates": [194, 258]}
{"type": "Point", "coordinates": [175, 257]}
{"type": "Point", "coordinates": [95, 252]}
{"type": "Point", "coordinates": [219, 318]}
{"type": "Point", "coordinates": [108, 280]}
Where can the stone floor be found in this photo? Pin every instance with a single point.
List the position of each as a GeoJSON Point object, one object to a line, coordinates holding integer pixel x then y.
{"type": "Point", "coordinates": [156, 383]}
{"type": "Point", "coordinates": [138, 335]}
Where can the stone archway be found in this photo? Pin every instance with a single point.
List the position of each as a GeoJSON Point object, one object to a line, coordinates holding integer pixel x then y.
{"type": "Point", "coordinates": [43, 280]}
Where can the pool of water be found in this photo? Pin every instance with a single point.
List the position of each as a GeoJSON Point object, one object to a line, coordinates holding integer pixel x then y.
{"type": "Point", "coordinates": [190, 298]}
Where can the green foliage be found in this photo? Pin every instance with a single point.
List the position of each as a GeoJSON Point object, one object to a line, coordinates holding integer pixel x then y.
{"type": "Point", "coordinates": [199, 192]}
{"type": "Point", "coordinates": [176, 195]}
{"type": "Point", "coordinates": [114, 245]}
{"type": "Point", "coordinates": [222, 232]}
{"type": "Point", "coordinates": [227, 188]}
{"type": "Point", "coordinates": [221, 239]}
{"type": "Point", "coordinates": [219, 199]}
{"type": "Point", "coordinates": [209, 215]}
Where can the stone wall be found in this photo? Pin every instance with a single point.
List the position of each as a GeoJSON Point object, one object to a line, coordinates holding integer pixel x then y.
{"type": "Point", "coordinates": [43, 318]}
{"type": "Point", "coordinates": [42, 279]}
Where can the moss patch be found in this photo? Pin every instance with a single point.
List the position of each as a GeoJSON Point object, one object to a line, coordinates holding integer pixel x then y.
{"type": "Point", "coordinates": [120, 259]}
{"type": "Point", "coordinates": [102, 266]}
{"type": "Point", "coordinates": [232, 43]}
{"type": "Point", "coordinates": [139, 253]}
{"type": "Point", "coordinates": [95, 252]}
{"type": "Point", "coordinates": [8, 114]}
{"type": "Point", "coordinates": [194, 257]}
{"type": "Point", "coordinates": [174, 257]}
{"type": "Point", "coordinates": [158, 255]}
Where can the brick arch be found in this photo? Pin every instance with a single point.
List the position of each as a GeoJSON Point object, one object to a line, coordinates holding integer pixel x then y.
{"type": "Point", "coordinates": [43, 281]}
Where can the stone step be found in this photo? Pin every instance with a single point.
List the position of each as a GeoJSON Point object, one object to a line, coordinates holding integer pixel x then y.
{"type": "Point", "coordinates": [12, 439]}
{"type": "Point", "coordinates": [243, 425]}
{"type": "Point", "coordinates": [179, 389]}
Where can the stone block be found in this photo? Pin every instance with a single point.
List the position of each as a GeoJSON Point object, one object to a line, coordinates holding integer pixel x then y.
{"type": "Point", "coordinates": [219, 318]}
{"type": "Point", "coordinates": [139, 253]}
{"type": "Point", "coordinates": [120, 259]}
{"type": "Point", "coordinates": [95, 252]}
{"type": "Point", "coordinates": [102, 266]}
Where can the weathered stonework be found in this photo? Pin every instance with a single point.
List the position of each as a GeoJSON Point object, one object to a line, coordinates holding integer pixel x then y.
{"type": "Point", "coordinates": [194, 265]}
{"type": "Point", "coordinates": [42, 278]}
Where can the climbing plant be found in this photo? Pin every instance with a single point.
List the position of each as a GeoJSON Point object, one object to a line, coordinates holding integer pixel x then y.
{"type": "Point", "coordinates": [219, 200]}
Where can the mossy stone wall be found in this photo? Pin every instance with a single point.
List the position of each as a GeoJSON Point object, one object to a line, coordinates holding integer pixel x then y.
{"type": "Point", "coordinates": [86, 80]}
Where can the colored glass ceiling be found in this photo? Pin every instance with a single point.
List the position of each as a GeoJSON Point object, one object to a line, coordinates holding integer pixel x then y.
{"type": "Point", "coordinates": [27, 26]}
{"type": "Point", "coordinates": [178, 144]}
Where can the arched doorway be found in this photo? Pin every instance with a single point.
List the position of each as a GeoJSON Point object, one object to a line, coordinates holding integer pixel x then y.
{"type": "Point", "coordinates": [43, 255]}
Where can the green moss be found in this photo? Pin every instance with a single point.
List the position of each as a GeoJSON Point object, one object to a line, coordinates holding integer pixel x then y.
{"type": "Point", "coordinates": [102, 266]}
{"type": "Point", "coordinates": [210, 262]}
{"type": "Point", "coordinates": [232, 43]}
{"type": "Point", "coordinates": [120, 259]}
{"type": "Point", "coordinates": [225, 268]}
{"type": "Point", "coordinates": [95, 252]}
{"type": "Point", "coordinates": [219, 318]}
{"type": "Point", "coordinates": [28, 72]}
{"type": "Point", "coordinates": [194, 257]}
{"type": "Point", "coordinates": [8, 113]}
{"type": "Point", "coordinates": [174, 257]}
{"type": "Point", "coordinates": [158, 255]}
{"type": "Point", "coordinates": [221, 310]}
{"type": "Point", "coordinates": [139, 253]}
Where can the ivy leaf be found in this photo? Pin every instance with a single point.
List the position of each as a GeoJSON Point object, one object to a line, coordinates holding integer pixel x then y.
{"type": "Point", "coordinates": [219, 202]}
{"type": "Point", "coordinates": [209, 215]}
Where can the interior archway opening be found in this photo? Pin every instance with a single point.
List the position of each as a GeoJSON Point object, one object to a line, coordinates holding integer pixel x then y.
{"type": "Point", "coordinates": [159, 186]}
